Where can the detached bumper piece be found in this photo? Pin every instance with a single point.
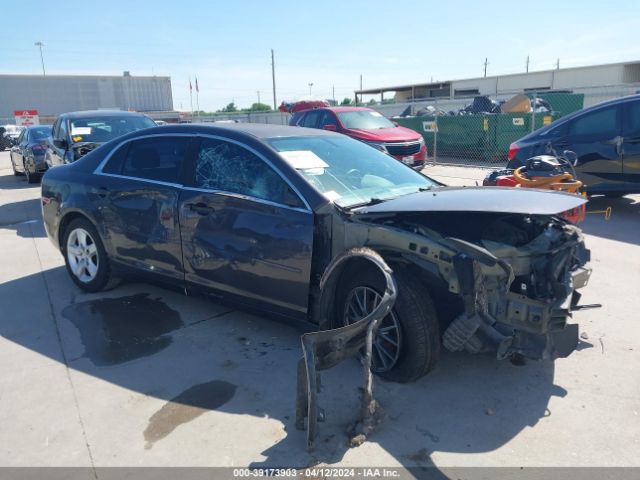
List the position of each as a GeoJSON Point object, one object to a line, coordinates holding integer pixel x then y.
{"type": "Point", "coordinates": [326, 349]}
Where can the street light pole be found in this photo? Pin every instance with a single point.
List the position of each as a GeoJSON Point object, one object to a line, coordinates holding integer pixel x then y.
{"type": "Point", "coordinates": [310, 85]}
{"type": "Point", "coordinates": [40, 45]}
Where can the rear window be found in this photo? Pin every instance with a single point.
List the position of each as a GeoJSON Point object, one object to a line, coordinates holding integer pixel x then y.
{"type": "Point", "coordinates": [157, 158]}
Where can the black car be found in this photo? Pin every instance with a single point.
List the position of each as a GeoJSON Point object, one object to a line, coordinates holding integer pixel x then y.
{"type": "Point", "coordinates": [28, 152]}
{"type": "Point", "coordinates": [77, 133]}
{"type": "Point", "coordinates": [255, 214]}
{"type": "Point", "coordinates": [606, 139]}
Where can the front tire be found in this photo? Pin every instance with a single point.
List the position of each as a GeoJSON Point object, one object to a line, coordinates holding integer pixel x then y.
{"type": "Point", "coordinates": [412, 325]}
{"type": "Point", "coordinates": [86, 258]}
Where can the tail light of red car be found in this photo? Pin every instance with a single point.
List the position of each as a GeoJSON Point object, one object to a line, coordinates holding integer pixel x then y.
{"type": "Point", "coordinates": [513, 150]}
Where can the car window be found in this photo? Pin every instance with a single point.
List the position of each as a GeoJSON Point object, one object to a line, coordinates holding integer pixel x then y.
{"type": "Point", "coordinates": [310, 120]}
{"type": "Point", "coordinates": [156, 158]}
{"type": "Point", "coordinates": [22, 136]}
{"type": "Point", "coordinates": [328, 119]}
{"type": "Point", "coordinates": [228, 167]}
{"type": "Point", "coordinates": [347, 171]}
{"type": "Point", "coordinates": [62, 130]}
{"type": "Point", "coordinates": [602, 123]}
{"type": "Point", "coordinates": [116, 161]}
{"type": "Point", "coordinates": [631, 126]}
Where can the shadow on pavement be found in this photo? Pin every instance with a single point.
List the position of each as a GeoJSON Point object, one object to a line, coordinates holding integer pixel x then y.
{"type": "Point", "coordinates": [198, 360]}
{"type": "Point", "coordinates": [19, 215]}
{"type": "Point", "coordinates": [624, 224]}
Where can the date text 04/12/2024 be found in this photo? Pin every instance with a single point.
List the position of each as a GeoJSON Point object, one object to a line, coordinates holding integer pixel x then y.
{"type": "Point", "coordinates": [318, 472]}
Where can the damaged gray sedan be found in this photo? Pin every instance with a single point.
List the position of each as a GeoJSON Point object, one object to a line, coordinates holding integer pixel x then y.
{"type": "Point", "coordinates": [255, 214]}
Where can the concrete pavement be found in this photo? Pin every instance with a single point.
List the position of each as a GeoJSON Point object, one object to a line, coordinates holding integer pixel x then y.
{"type": "Point", "coordinates": [92, 380]}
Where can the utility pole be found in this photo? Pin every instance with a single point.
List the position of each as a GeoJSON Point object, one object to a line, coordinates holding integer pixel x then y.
{"type": "Point", "coordinates": [310, 85]}
{"type": "Point", "coordinates": [527, 69]}
{"type": "Point", "coordinates": [40, 45]}
{"type": "Point", "coordinates": [333, 93]}
{"type": "Point", "coordinates": [258, 92]}
{"type": "Point", "coordinates": [558, 64]}
{"type": "Point", "coordinates": [486, 62]}
{"type": "Point", "coordinates": [273, 78]}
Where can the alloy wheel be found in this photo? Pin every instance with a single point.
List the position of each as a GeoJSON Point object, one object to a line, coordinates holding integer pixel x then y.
{"type": "Point", "coordinates": [82, 255]}
{"type": "Point", "coordinates": [361, 301]}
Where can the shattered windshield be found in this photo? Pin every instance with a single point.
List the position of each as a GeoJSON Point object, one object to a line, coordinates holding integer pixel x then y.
{"type": "Point", "coordinates": [348, 172]}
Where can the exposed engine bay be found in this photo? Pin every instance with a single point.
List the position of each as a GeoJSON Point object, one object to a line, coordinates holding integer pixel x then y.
{"type": "Point", "coordinates": [515, 274]}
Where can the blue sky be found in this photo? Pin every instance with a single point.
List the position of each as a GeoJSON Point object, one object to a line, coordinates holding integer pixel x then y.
{"type": "Point", "coordinates": [226, 44]}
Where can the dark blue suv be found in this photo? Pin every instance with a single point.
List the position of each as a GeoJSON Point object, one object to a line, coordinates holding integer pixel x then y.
{"type": "Point", "coordinates": [606, 138]}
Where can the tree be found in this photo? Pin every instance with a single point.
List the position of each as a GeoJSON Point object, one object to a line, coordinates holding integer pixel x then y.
{"type": "Point", "coordinates": [260, 107]}
{"type": "Point", "coordinates": [230, 108]}
{"type": "Point", "coordinates": [346, 101]}
{"type": "Point", "coordinates": [372, 102]}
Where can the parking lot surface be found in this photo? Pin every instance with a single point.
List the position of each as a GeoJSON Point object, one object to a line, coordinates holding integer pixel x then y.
{"type": "Point", "coordinates": [144, 376]}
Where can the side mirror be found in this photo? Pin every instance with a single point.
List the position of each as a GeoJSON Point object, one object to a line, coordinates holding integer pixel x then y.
{"type": "Point", "coordinates": [331, 127]}
{"type": "Point", "coordinates": [571, 157]}
{"type": "Point", "coordinates": [60, 143]}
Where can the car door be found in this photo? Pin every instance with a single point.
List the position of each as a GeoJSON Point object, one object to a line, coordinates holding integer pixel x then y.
{"type": "Point", "coordinates": [245, 232]}
{"type": "Point", "coordinates": [631, 143]}
{"type": "Point", "coordinates": [328, 121]}
{"type": "Point", "coordinates": [311, 119]}
{"type": "Point", "coordinates": [17, 150]}
{"type": "Point", "coordinates": [138, 198]}
{"type": "Point", "coordinates": [596, 139]}
{"type": "Point", "coordinates": [58, 150]}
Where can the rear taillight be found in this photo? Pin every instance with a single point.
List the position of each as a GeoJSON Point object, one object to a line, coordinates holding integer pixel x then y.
{"type": "Point", "coordinates": [513, 149]}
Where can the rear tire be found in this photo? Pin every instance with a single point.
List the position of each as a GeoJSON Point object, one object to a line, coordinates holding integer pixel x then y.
{"type": "Point", "coordinates": [419, 345]}
{"type": "Point", "coordinates": [85, 257]}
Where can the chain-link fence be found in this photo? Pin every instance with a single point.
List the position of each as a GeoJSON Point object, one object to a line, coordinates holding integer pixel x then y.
{"type": "Point", "coordinates": [478, 130]}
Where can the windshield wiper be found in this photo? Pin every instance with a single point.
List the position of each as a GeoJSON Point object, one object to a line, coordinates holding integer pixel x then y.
{"type": "Point", "coordinates": [368, 203]}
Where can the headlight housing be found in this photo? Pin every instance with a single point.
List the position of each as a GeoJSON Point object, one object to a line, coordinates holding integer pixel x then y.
{"type": "Point", "coordinates": [378, 145]}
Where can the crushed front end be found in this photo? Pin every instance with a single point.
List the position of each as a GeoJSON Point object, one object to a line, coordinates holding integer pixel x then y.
{"type": "Point", "coordinates": [514, 276]}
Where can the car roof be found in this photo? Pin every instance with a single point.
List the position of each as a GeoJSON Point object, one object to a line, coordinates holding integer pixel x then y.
{"type": "Point", "coordinates": [349, 109]}
{"type": "Point", "coordinates": [257, 130]}
{"type": "Point", "coordinates": [30, 127]}
{"type": "Point", "coordinates": [101, 113]}
{"type": "Point", "coordinates": [584, 111]}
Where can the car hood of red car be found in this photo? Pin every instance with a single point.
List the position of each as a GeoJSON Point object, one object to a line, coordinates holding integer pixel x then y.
{"type": "Point", "coordinates": [392, 134]}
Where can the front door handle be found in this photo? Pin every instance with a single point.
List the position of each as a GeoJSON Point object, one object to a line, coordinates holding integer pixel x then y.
{"type": "Point", "coordinates": [201, 208]}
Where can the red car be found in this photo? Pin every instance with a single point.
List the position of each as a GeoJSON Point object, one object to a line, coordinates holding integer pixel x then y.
{"type": "Point", "coordinates": [370, 127]}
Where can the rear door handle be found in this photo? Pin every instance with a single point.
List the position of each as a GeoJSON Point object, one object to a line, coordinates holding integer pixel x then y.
{"type": "Point", "coordinates": [201, 208]}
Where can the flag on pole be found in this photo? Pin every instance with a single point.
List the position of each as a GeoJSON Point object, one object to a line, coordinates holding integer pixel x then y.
{"type": "Point", "coordinates": [197, 90]}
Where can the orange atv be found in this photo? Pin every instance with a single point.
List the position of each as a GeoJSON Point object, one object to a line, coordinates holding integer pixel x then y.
{"type": "Point", "coordinates": [544, 172]}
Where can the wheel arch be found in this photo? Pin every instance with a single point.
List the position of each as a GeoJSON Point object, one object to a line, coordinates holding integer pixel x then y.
{"type": "Point", "coordinates": [407, 266]}
{"type": "Point", "coordinates": [69, 217]}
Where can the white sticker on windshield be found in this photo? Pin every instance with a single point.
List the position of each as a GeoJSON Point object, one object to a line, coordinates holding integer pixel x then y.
{"type": "Point", "coordinates": [331, 195]}
{"type": "Point", "coordinates": [376, 114]}
{"type": "Point", "coordinates": [303, 159]}
{"type": "Point", "coordinates": [80, 131]}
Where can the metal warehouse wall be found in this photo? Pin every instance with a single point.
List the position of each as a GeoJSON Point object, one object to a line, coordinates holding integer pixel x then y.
{"type": "Point", "coordinates": [56, 94]}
